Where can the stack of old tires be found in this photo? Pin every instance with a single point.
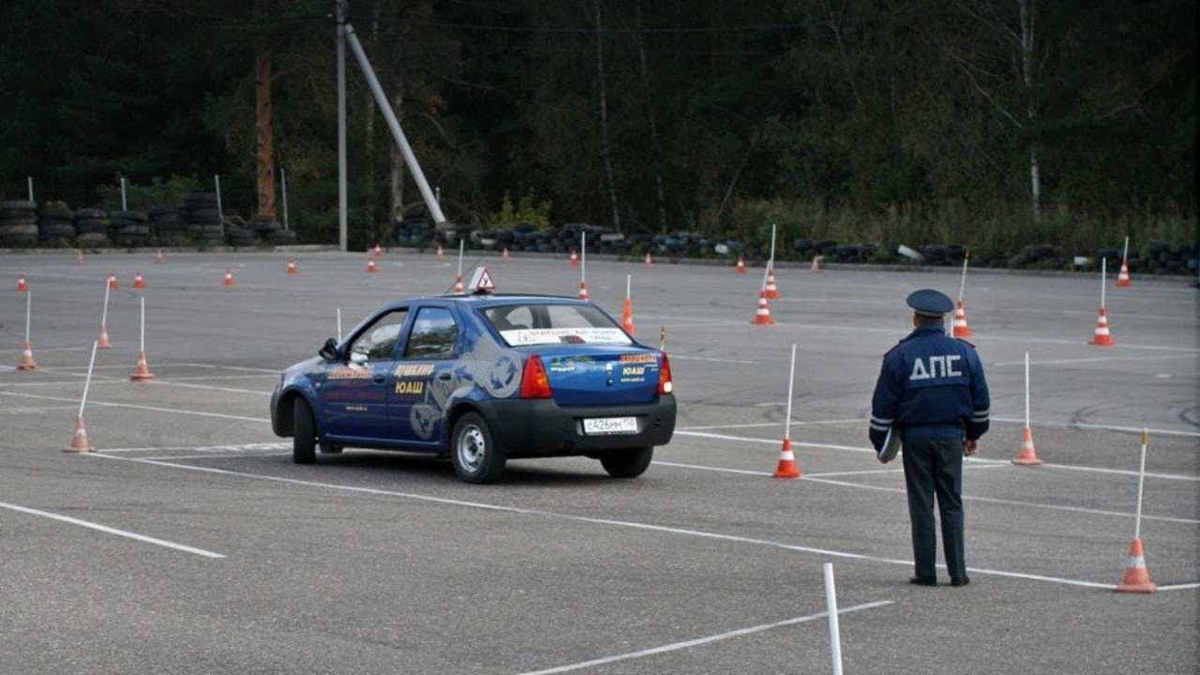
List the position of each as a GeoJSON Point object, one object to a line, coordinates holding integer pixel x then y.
{"type": "Point", "coordinates": [56, 228]}
{"type": "Point", "coordinates": [238, 233]}
{"type": "Point", "coordinates": [90, 229]}
{"type": "Point", "coordinates": [203, 220]}
{"type": "Point", "coordinates": [168, 226]}
{"type": "Point", "coordinates": [269, 230]}
{"type": "Point", "coordinates": [18, 224]}
{"type": "Point", "coordinates": [129, 228]}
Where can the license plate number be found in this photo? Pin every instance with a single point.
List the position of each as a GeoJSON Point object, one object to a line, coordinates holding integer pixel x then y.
{"type": "Point", "coordinates": [603, 426]}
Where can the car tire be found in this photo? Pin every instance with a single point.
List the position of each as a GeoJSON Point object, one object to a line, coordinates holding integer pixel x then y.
{"type": "Point", "coordinates": [476, 456]}
{"type": "Point", "coordinates": [330, 448]}
{"type": "Point", "coordinates": [628, 463]}
{"type": "Point", "coordinates": [304, 436]}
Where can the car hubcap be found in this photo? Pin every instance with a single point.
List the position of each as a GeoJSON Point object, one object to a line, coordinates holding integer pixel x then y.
{"type": "Point", "coordinates": [471, 448]}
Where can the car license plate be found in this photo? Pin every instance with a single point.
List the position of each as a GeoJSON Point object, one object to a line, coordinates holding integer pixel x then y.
{"type": "Point", "coordinates": [604, 426]}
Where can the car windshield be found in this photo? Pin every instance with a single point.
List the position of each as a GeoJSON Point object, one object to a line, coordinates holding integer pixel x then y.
{"type": "Point", "coordinates": [545, 324]}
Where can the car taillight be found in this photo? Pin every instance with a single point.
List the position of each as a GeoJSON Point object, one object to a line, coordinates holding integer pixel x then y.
{"type": "Point", "coordinates": [665, 385]}
{"type": "Point", "coordinates": [534, 383]}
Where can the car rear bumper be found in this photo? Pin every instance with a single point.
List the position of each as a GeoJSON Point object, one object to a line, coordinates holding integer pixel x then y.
{"type": "Point", "coordinates": [542, 428]}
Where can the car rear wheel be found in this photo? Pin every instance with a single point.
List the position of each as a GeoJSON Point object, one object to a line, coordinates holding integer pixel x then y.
{"type": "Point", "coordinates": [473, 451]}
{"type": "Point", "coordinates": [304, 436]}
{"type": "Point", "coordinates": [628, 463]}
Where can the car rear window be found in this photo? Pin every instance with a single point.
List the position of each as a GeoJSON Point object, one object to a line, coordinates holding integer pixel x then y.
{"type": "Point", "coordinates": [545, 324]}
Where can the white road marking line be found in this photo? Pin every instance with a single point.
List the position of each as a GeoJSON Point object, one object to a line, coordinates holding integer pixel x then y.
{"type": "Point", "coordinates": [210, 387]}
{"type": "Point", "coordinates": [597, 521]}
{"type": "Point", "coordinates": [47, 349]}
{"type": "Point", "coordinates": [250, 447]}
{"type": "Point", "coordinates": [831, 446]}
{"type": "Point", "coordinates": [1093, 359]}
{"type": "Point", "coordinates": [747, 472]}
{"type": "Point", "coordinates": [224, 367]}
{"type": "Point", "coordinates": [682, 357]}
{"type": "Point", "coordinates": [32, 410]}
{"type": "Point", "coordinates": [111, 530]}
{"type": "Point", "coordinates": [771, 424]}
{"type": "Point", "coordinates": [218, 456]}
{"type": "Point", "coordinates": [1177, 587]}
{"type": "Point", "coordinates": [196, 413]}
{"type": "Point", "coordinates": [676, 646]}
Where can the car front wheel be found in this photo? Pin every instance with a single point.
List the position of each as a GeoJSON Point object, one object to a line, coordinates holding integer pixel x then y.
{"type": "Point", "coordinates": [304, 436]}
{"type": "Point", "coordinates": [629, 463]}
{"type": "Point", "coordinates": [476, 457]}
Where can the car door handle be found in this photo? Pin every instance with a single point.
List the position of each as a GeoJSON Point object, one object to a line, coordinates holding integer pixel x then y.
{"type": "Point", "coordinates": [445, 377]}
{"type": "Point", "coordinates": [379, 379]}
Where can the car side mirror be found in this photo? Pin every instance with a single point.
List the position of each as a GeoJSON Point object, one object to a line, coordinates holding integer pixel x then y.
{"type": "Point", "coordinates": [329, 351]}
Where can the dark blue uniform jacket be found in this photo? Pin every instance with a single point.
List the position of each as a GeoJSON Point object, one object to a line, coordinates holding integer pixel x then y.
{"type": "Point", "coordinates": [930, 386]}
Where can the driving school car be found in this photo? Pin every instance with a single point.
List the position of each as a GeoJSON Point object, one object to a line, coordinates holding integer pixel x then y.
{"type": "Point", "coordinates": [483, 379]}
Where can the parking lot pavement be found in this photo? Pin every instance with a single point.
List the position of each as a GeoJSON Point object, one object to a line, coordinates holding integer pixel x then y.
{"type": "Point", "coordinates": [379, 562]}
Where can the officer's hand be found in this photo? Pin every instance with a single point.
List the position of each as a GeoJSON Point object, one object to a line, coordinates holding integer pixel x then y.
{"type": "Point", "coordinates": [969, 447]}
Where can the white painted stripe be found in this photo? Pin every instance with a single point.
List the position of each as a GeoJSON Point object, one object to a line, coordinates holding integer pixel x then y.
{"type": "Point", "coordinates": [795, 423]}
{"type": "Point", "coordinates": [682, 357]}
{"type": "Point", "coordinates": [676, 646]}
{"type": "Point", "coordinates": [1178, 587]}
{"type": "Point", "coordinates": [224, 367]}
{"type": "Point", "coordinates": [597, 521]}
{"type": "Point", "coordinates": [267, 445]}
{"type": "Point", "coordinates": [111, 530]}
{"type": "Point", "coordinates": [177, 411]}
{"type": "Point", "coordinates": [218, 456]}
{"type": "Point", "coordinates": [1092, 359]}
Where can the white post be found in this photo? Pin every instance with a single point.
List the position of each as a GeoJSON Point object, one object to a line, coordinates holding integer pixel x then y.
{"type": "Point", "coordinates": [461, 244]}
{"type": "Point", "coordinates": [124, 204]}
{"type": "Point", "coordinates": [29, 179]}
{"type": "Point", "coordinates": [835, 633]}
{"type": "Point", "coordinates": [787, 429]}
{"type": "Point", "coordinates": [771, 262]}
{"type": "Point", "coordinates": [220, 210]}
{"type": "Point", "coordinates": [339, 323]}
{"type": "Point", "coordinates": [1103, 276]}
{"type": "Point", "coordinates": [583, 256]}
{"type": "Point", "coordinates": [437, 194]}
{"type": "Point", "coordinates": [340, 10]}
{"type": "Point", "coordinates": [28, 312]}
{"type": "Point", "coordinates": [628, 287]}
{"type": "Point", "coordinates": [1028, 422]}
{"type": "Point", "coordinates": [1137, 523]}
{"type": "Point", "coordinates": [104, 314]}
{"type": "Point", "coordinates": [283, 187]}
{"type": "Point", "coordinates": [142, 338]}
{"type": "Point", "coordinates": [962, 283]}
{"type": "Point", "coordinates": [1125, 253]}
{"type": "Point", "coordinates": [87, 382]}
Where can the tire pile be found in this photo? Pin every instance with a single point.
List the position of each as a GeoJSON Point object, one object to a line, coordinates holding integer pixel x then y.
{"type": "Point", "coordinates": [269, 230]}
{"type": "Point", "coordinates": [238, 233]}
{"type": "Point", "coordinates": [90, 229]}
{"type": "Point", "coordinates": [56, 228]}
{"type": "Point", "coordinates": [18, 224]}
{"type": "Point", "coordinates": [129, 228]}
{"type": "Point", "coordinates": [168, 226]}
{"type": "Point", "coordinates": [204, 226]}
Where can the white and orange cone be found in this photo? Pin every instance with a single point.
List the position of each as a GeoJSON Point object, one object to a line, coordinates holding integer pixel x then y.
{"type": "Point", "coordinates": [741, 265]}
{"type": "Point", "coordinates": [787, 467]}
{"type": "Point", "coordinates": [228, 281]}
{"type": "Point", "coordinates": [22, 285]}
{"type": "Point", "coordinates": [159, 259]}
{"type": "Point", "coordinates": [1027, 456]}
{"type": "Point", "coordinates": [27, 362]}
{"type": "Point", "coordinates": [441, 252]}
{"type": "Point", "coordinates": [961, 329]}
{"type": "Point", "coordinates": [113, 282]}
{"type": "Point", "coordinates": [816, 263]}
{"type": "Point", "coordinates": [292, 270]}
{"type": "Point", "coordinates": [505, 255]}
{"type": "Point", "coordinates": [79, 440]}
{"type": "Point", "coordinates": [103, 342]}
{"type": "Point", "coordinates": [1123, 280]}
{"type": "Point", "coordinates": [79, 258]}
{"type": "Point", "coordinates": [627, 316]}
{"type": "Point", "coordinates": [1137, 577]}
{"type": "Point", "coordinates": [371, 266]}
{"type": "Point", "coordinates": [378, 250]}
{"type": "Point", "coordinates": [142, 372]}
{"type": "Point", "coordinates": [583, 291]}
{"type": "Point", "coordinates": [139, 282]}
{"type": "Point", "coordinates": [771, 290]}
{"type": "Point", "coordinates": [762, 317]}
{"type": "Point", "coordinates": [649, 261]}
{"type": "Point", "coordinates": [1101, 337]}
{"type": "Point", "coordinates": [574, 258]}
{"type": "Point", "coordinates": [459, 289]}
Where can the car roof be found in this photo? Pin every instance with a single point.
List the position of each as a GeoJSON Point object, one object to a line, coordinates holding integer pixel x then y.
{"type": "Point", "coordinates": [489, 300]}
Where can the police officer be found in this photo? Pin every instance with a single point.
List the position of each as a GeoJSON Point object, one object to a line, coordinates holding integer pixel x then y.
{"type": "Point", "coordinates": [932, 396]}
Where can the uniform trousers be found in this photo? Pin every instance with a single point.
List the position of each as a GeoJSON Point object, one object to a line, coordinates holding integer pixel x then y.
{"type": "Point", "coordinates": [934, 467]}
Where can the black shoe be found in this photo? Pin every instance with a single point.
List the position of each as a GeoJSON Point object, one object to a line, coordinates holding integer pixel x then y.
{"type": "Point", "coordinates": [960, 581]}
{"type": "Point", "coordinates": [923, 581]}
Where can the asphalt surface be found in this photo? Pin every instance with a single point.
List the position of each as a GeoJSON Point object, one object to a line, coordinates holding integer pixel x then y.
{"type": "Point", "coordinates": [373, 562]}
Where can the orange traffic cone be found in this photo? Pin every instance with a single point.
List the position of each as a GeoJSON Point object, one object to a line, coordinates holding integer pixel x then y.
{"type": "Point", "coordinates": [459, 289]}
{"type": "Point", "coordinates": [441, 252]}
{"type": "Point", "coordinates": [506, 256]}
{"type": "Point", "coordinates": [138, 281]}
{"type": "Point", "coordinates": [103, 342]}
{"type": "Point", "coordinates": [787, 467]}
{"type": "Point", "coordinates": [961, 329]}
{"type": "Point", "coordinates": [22, 285]}
{"type": "Point", "coordinates": [1102, 337]}
{"type": "Point", "coordinates": [159, 259]}
{"type": "Point", "coordinates": [649, 260]}
{"type": "Point", "coordinates": [574, 258]}
{"type": "Point", "coordinates": [1123, 280]}
{"type": "Point", "coordinates": [762, 317]}
{"type": "Point", "coordinates": [1137, 577]}
{"type": "Point", "coordinates": [228, 282]}
{"type": "Point", "coordinates": [378, 250]}
{"type": "Point", "coordinates": [27, 362]}
{"type": "Point", "coordinates": [79, 440]}
{"type": "Point", "coordinates": [291, 267]}
{"type": "Point", "coordinates": [816, 263]}
{"type": "Point", "coordinates": [371, 266]}
{"type": "Point", "coordinates": [627, 316]}
{"type": "Point", "coordinates": [772, 291]}
{"type": "Point", "coordinates": [79, 258]}
{"type": "Point", "coordinates": [583, 291]}
{"type": "Point", "coordinates": [142, 372]}
{"type": "Point", "coordinates": [113, 282]}
{"type": "Point", "coordinates": [741, 265]}
{"type": "Point", "coordinates": [1028, 454]}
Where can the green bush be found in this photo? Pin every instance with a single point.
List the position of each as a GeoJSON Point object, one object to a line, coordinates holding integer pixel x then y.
{"type": "Point", "coordinates": [526, 212]}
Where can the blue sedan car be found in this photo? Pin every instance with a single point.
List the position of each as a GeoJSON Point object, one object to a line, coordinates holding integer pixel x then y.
{"type": "Point", "coordinates": [481, 379]}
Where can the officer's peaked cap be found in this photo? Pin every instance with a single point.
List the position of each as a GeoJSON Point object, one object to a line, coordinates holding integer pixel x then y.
{"type": "Point", "coordinates": [928, 302]}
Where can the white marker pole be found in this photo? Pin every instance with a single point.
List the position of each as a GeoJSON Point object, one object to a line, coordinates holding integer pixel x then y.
{"type": "Point", "coordinates": [1125, 253]}
{"type": "Point", "coordinates": [28, 313]}
{"type": "Point", "coordinates": [87, 382]}
{"type": "Point", "coordinates": [339, 323]}
{"type": "Point", "coordinates": [29, 180]}
{"type": "Point", "coordinates": [283, 189]}
{"type": "Point", "coordinates": [787, 429]}
{"type": "Point", "coordinates": [142, 338]}
{"type": "Point", "coordinates": [583, 256]}
{"type": "Point", "coordinates": [771, 262]}
{"type": "Point", "coordinates": [461, 244]}
{"type": "Point", "coordinates": [766, 270]}
{"type": "Point", "coordinates": [835, 637]}
{"type": "Point", "coordinates": [1103, 276]}
{"type": "Point", "coordinates": [628, 291]}
{"type": "Point", "coordinates": [1028, 425]}
{"type": "Point", "coordinates": [124, 204]}
{"type": "Point", "coordinates": [104, 313]}
{"type": "Point", "coordinates": [962, 283]}
{"type": "Point", "coordinates": [220, 211]}
{"type": "Point", "coordinates": [1137, 523]}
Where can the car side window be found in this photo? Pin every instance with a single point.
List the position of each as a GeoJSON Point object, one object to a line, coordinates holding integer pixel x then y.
{"type": "Point", "coordinates": [378, 341]}
{"type": "Point", "coordinates": [433, 335]}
